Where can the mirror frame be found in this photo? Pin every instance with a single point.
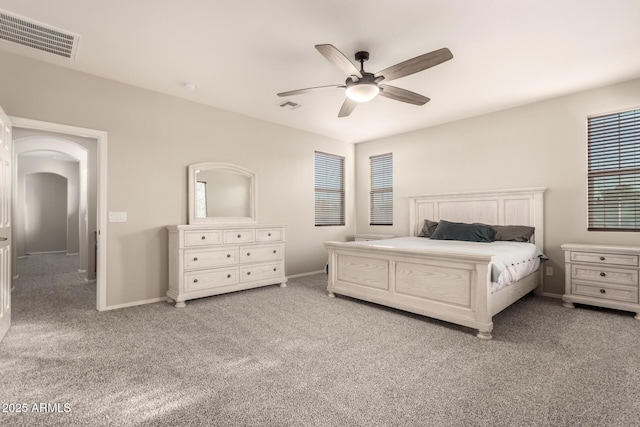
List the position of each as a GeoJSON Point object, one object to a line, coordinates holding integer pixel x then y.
{"type": "Point", "coordinates": [230, 167]}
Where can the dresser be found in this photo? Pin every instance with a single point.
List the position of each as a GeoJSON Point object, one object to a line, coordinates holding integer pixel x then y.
{"type": "Point", "coordinates": [602, 275]}
{"type": "Point", "coordinates": [207, 260]}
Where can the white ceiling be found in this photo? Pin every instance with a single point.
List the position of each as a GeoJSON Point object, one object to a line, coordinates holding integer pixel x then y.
{"type": "Point", "coordinates": [240, 53]}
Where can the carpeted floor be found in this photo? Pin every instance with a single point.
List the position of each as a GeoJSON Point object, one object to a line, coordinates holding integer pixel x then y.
{"type": "Point", "coordinates": [293, 357]}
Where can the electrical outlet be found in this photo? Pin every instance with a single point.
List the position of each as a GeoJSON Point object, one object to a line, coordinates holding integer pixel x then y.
{"type": "Point", "coordinates": [549, 271]}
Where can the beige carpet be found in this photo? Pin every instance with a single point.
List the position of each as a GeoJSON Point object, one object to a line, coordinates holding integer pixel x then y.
{"type": "Point", "coordinates": [293, 357]}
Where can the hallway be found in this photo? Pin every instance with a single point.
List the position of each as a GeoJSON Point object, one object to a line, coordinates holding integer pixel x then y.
{"type": "Point", "coordinates": [47, 285]}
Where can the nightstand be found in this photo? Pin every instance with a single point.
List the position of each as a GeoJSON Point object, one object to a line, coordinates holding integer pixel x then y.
{"type": "Point", "coordinates": [602, 275]}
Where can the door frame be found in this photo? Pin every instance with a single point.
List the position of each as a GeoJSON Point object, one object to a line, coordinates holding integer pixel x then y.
{"type": "Point", "coordinates": [101, 138]}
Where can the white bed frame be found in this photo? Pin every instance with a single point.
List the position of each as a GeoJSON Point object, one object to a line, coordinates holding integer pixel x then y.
{"type": "Point", "coordinates": [452, 287]}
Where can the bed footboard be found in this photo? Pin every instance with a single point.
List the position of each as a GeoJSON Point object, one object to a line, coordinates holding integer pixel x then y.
{"type": "Point", "coordinates": [451, 287]}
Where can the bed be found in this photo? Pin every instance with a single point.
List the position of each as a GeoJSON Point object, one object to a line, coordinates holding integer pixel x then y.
{"type": "Point", "coordinates": [440, 282]}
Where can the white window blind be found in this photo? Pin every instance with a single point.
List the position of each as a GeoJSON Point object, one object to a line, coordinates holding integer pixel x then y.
{"type": "Point", "coordinates": [614, 171]}
{"type": "Point", "coordinates": [329, 189]}
{"type": "Point", "coordinates": [381, 197]}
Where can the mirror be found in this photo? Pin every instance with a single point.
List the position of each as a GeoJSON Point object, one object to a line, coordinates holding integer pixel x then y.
{"type": "Point", "coordinates": [221, 193]}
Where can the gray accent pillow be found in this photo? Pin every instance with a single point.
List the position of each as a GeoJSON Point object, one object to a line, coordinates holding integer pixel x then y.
{"type": "Point", "coordinates": [428, 228]}
{"type": "Point", "coordinates": [513, 233]}
{"type": "Point", "coordinates": [465, 232]}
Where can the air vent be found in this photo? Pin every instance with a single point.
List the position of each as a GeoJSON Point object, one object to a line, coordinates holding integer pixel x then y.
{"type": "Point", "coordinates": [16, 29]}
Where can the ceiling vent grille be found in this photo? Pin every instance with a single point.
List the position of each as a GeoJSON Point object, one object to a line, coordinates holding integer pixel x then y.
{"type": "Point", "coordinates": [16, 29]}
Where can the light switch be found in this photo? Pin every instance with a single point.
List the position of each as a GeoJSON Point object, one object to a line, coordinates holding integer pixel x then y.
{"type": "Point", "coordinates": [117, 217]}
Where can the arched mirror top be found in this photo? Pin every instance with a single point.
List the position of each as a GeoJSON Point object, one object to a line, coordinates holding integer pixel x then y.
{"type": "Point", "coordinates": [221, 193]}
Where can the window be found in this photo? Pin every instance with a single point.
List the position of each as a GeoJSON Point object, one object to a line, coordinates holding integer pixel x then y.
{"type": "Point", "coordinates": [329, 189]}
{"type": "Point", "coordinates": [614, 171]}
{"type": "Point", "coordinates": [381, 197]}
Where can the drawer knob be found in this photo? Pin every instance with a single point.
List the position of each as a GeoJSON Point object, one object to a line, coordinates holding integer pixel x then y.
{"type": "Point", "coordinates": [274, 251]}
{"type": "Point", "coordinates": [204, 237]}
{"type": "Point", "coordinates": [239, 236]}
{"type": "Point", "coordinates": [228, 276]}
{"type": "Point", "coordinates": [603, 291]}
{"type": "Point", "coordinates": [248, 253]}
{"type": "Point", "coordinates": [228, 255]}
{"type": "Point", "coordinates": [274, 269]}
{"type": "Point", "coordinates": [603, 274]}
{"type": "Point", "coordinates": [602, 258]}
{"type": "Point", "coordinates": [195, 258]}
{"type": "Point", "coordinates": [269, 234]}
{"type": "Point", "coordinates": [195, 280]}
{"type": "Point", "coordinates": [248, 273]}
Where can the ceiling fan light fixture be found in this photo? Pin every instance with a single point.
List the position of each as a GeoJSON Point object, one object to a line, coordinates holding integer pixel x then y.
{"type": "Point", "coordinates": [362, 92]}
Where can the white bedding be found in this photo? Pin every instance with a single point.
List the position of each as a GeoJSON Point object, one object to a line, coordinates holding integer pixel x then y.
{"type": "Point", "coordinates": [511, 262]}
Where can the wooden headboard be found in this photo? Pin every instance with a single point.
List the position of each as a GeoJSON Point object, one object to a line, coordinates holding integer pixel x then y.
{"type": "Point", "coordinates": [501, 207]}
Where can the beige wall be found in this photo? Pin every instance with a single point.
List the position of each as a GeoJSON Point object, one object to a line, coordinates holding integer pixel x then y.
{"type": "Point", "coordinates": [151, 140]}
{"type": "Point", "coordinates": [538, 145]}
{"type": "Point", "coordinates": [37, 168]}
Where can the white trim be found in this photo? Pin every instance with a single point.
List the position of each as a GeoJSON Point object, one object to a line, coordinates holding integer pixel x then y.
{"type": "Point", "coordinates": [73, 253]}
{"type": "Point", "coordinates": [135, 303]}
{"type": "Point", "coordinates": [311, 273]}
{"type": "Point", "coordinates": [552, 295]}
{"type": "Point", "coordinates": [45, 252]}
{"type": "Point", "coordinates": [101, 137]}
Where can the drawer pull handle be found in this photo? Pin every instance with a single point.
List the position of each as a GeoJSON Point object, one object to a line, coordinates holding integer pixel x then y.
{"type": "Point", "coordinates": [248, 253]}
{"type": "Point", "coordinates": [274, 251]}
{"type": "Point", "coordinates": [228, 276]}
{"type": "Point", "coordinates": [274, 269]}
{"type": "Point", "coordinates": [602, 258]}
{"type": "Point", "coordinates": [248, 273]}
{"type": "Point", "coordinates": [603, 291]}
{"type": "Point", "coordinates": [195, 280]}
{"type": "Point", "coordinates": [195, 258]}
{"type": "Point", "coordinates": [239, 236]}
{"type": "Point", "coordinates": [269, 234]}
{"type": "Point", "coordinates": [204, 237]}
{"type": "Point", "coordinates": [603, 274]}
{"type": "Point", "coordinates": [228, 255]}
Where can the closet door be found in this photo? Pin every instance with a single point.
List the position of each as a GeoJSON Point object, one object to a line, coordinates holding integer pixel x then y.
{"type": "Point", "coordinates": [6, 156]}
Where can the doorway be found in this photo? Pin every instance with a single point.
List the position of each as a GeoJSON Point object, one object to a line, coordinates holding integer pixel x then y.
{"type": "Point", "coordinates": [91, 246]}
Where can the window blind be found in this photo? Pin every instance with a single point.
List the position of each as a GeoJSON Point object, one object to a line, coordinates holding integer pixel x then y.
{"type": "Point", "coordinates": [329, 189]}
{"type": "Point", "coordinates": [381, 197]}
{"type": "Point", "coordinates": [614, 171]}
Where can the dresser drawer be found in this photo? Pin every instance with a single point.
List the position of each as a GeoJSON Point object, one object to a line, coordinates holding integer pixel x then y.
{"type": "Point", "coordinates": [604, 258]}
{"type": "Point", "coordinates": [200, 238]}
{"type": "Point", "coordinates": [604, 274]}
{"type": "Point", "coordinates": [238, 236]}
{"type": "Point", "coordinates": [207, 258]}
{"type": "Point", "coordinates": [618, 293]}
{"type": "Point", "coordinates": [250, 273]}
{"type": "Point", "coordinates": [269, 235]}
{"type": "Point", "coordinates": [198, 280]}
{"type": "Point", "coordinates": [260, 253]}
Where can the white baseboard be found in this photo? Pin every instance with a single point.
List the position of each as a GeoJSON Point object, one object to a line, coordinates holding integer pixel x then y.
{"type": "Point", "coordinates": [72, 254]}
{"type": "Point", "coordinates": [134, 303]}
{"type": "Point", "coordinates": [295, 276]}
{"type": "Point", "coordinates": [549, 294]}
{"type": "Point", "coordinates": [81, 270]}
{"type": "Point", "coordinates": [47, 252]}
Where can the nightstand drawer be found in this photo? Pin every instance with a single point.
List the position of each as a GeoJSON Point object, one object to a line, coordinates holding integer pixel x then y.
{"type": "Point", "coordinates": [604, 258]}
{"type": "Point", "coordinates": [604, 274]}
{"type": "Point", "coordinates": [619, 293]}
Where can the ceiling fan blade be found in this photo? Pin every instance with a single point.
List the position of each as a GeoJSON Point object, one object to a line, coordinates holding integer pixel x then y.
{"type": "Point", "coordinates": [416, 64]}
{"type": "Point", "coordinates": [307, 90]}
{"type": "Point", "coordinates": [347, 107]}
{"type": "Point", "coordinates": [403, 95]}
{"type": "Point", "coordinates": [338, 59]}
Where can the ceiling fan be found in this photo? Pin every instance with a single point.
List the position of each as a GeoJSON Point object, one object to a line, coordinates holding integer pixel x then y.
{"type": "Point", "coordinates": [362, 86]}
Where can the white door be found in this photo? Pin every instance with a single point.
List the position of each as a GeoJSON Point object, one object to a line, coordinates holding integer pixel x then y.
{"type": "Point", "coordinates": [6, 155]}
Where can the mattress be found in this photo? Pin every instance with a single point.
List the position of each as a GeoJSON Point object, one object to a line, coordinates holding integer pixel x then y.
{"type": "Point", "coordinates": [511, 261]}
